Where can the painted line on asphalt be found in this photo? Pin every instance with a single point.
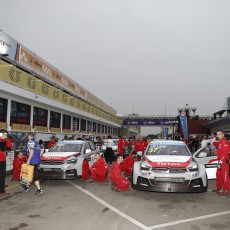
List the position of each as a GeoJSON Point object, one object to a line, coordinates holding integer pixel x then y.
{"type": "Point", "coordinates": [12, 186]}
{"type": "Point", "coordinates": [189, 220]}
{"type": "Point", "coordinates": [137, 223]}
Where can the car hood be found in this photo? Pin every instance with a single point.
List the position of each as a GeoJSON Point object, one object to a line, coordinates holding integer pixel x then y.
{"type": "Point", "coordinates": [59, 156]}
{"type": "Point", "coordinates": [169, 161]}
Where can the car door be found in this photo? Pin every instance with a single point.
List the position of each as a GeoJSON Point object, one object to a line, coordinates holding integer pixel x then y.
{"type": "Point", "coordinates": [209, 161]}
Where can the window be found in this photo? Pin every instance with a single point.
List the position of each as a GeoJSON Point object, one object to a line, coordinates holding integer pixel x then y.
{"type": "Point", "coordinates": [89, 126]}
{"type": "Point", "coordinates": [86, 146]}
{"type": "Point", "coordinates": [40, 116]}
{"type": "Point", "coordinates": [3, 109]}
{"type": "Point", "coordinates": [66, 123]}
{"type": "Point", "coordinates": [92, 146]}
{"type": "Point", "coordinates": [20, 113]}
{"type": "Point", "coordinates": [83, 125]}
{"type": "Point", "coordinates": [94, 127]}
{"type": "Point", "coordinates": [55, 119]}
{"type": "Point", "coordinates": [98, 128]}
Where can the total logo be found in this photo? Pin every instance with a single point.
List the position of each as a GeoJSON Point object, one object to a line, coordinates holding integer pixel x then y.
{"type": "Point", "coordinates": [52, 158]}
{"type": "Point", "coordinates": [168, 163]}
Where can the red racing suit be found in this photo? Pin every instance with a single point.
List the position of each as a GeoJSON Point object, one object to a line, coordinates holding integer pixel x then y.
{"type": "Point", "coordinates": [85, 170]}
{"type": "Point", "coordinates": [140, 146]}
{"type": "Point", "coordinates": [51, 144]}
{"type": "Point", "coordinates": [121, 146]}
{"type": "Point", "coordinates": [116, 177]}
{"type": "Point", "coordinates": [222, 177]}
{"type": "Point", "coordinates": [127, 165]}
{"type": "Point", "coordinates": [99, 170]}
{"type": "Point", "coordinates": [17, 164]}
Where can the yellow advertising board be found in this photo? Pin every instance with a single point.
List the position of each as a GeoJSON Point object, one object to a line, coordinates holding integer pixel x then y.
{"type": "Point", "coordinates": [41, 129]}
{"type": "Point", "coordinates": [55, 130]}
{"type": "Point", "coordinates": [3, 125]}
{"type": "Point", "coordinates": [20, 127]}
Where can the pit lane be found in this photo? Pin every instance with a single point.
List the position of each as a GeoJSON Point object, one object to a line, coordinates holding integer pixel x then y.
{"type": "Point", "coordinates": [81, 205]}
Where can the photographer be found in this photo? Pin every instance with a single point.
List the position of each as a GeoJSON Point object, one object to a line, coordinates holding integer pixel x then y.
{"type": "Point", "coordinates": [5, 144]}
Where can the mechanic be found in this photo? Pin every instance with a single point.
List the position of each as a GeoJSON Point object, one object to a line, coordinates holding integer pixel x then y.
{"type": "Point", "coordinates": [109, 149]}
{"type": "Point", "coordinates": [140, 146]}
{"type": "Point", "coordinates": [127, 165]}
{"type": "Point", "coordinates": [121, 146]}
{"type": "Point", "coordinates": [99, 169]}
{"type": "Point", "coordinates": [5, 143]}
{"type": "Point", "coordinates": [222, 177]}
{"type": "Point", "coordinates": [52, 142]}
{"type": "Point", "coordinates": [85, 170]}
{"type": "Point", "coordinates": [118, 181]}
{"type": "Point", "coordinates": [34, 152]}
{"type": "Point", "coordinates": [17, 165]}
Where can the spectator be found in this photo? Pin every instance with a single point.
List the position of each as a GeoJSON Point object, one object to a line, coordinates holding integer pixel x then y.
{"type": "Point", "coordinates": [109, 149]}
{"type": "Point", "coordinates": [5, 143]}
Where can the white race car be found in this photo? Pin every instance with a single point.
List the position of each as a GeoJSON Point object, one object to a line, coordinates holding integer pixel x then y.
{"type": "Point", "coordinates": [168, 166]}
{"type": "Point", "coordinates": [64, 160]}
{"type": "Point", "coordinates": [207, 156]}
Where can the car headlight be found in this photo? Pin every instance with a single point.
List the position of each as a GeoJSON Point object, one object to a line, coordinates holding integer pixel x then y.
{"type": "Point", "coordinates": [72, 161]}
{"type": "Point", "coordinates": [193, 168]}
{"type": "Point", "coordinates": [145, 167]}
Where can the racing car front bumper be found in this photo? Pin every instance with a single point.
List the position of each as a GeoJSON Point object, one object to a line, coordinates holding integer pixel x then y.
{"type": "Point", "coordinates": [194, 185]}
{"type": "Point", "coordinates": [57, 174]}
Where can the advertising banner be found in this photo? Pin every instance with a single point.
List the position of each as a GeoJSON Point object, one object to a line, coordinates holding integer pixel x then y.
{"type": "Point", "coordinates": [8, 46]}
{"type": "Point", "coordinates": [35, 63]}
{"type": "Point", "coordinates": [149, 122]}
{"type": "Point", "coordinates": [184, 123]}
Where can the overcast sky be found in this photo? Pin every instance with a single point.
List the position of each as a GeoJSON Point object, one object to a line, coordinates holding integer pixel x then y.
{"type": "Point", "coordinates": [138, 54]}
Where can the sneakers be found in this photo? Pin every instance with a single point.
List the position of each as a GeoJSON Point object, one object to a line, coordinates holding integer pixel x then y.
{"type": "Point", "coordinates": [224, 194]}
{"type": "Point", "coordinates": [24, 188]}
{"type": "Point", "coordinates": [115, 188]}
{"type": "Point", "coordinates": [92, 181]}
{"type": "Point", "coordinates": [4, 194]}
{"type": "Point", "coordinates": [39, 192]}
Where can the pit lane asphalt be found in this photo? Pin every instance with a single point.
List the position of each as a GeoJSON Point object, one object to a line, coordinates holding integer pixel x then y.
{"type": "Point", "coordinates": [81, 205]}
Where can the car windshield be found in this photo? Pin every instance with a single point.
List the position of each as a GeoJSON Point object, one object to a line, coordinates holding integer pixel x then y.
{"type": "Point", "coordinates": [62, 147]}
{"type": "Point", "coordinates": [167, 148]}
{"type": "Point", "coordinates": [115, 142]}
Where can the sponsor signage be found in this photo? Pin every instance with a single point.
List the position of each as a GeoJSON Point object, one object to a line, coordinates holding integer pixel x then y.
{"type": "Point", "coordinates": [35, 63]}
{"type": "Point", "coordinates": [184, 123]}
{"type": "Point", "coordinates": [145, 122]}
{"type": "Point", "coordinates": [8, 46]}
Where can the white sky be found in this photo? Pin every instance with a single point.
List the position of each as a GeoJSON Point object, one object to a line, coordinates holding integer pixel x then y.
{"type": "Point", "coordinates": [138, 54]}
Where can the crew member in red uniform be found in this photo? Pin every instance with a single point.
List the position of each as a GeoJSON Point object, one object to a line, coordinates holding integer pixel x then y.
{"type": "Point", "coordinates": [121, 146]}
{"type": "Point", "coordinates": [127, 165]}
{"type": "Point", "coordinates": [140, 146]}
{"type": "Point", "coordinates": [52, 142]}
{"type": "Point", "coordinates": [5, 144]}
{"type": "Point", "coordinates": [85, 170]}
{"type": "Point", "coordinates": [222, 177]}
{"type": "Point", "coordinates": [118, 181]}
{"type": "Point", "coordinates": [17, 164]}
{"type": "Point", "coordinates": [99, 169]}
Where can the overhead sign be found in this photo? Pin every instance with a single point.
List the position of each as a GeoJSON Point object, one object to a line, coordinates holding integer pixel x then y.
{"type": "Point", "coordinates": [150, 122]}
{"type": "Point", "coordinates": [8, 46]}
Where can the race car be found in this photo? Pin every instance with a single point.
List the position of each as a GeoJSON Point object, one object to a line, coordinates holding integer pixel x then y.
{"type": "Point", "coordinates": [168, 166]}
{"type": "Point", "coordinates": [207, 156]}
{"type": "Point", "coordinates": [64, 160]}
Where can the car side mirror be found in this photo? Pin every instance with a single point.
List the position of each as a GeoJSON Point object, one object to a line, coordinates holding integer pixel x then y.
{"type": "Point", "coordinates": [87, 151]}
{"type": "Point", "coordinates": [202, 155]}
